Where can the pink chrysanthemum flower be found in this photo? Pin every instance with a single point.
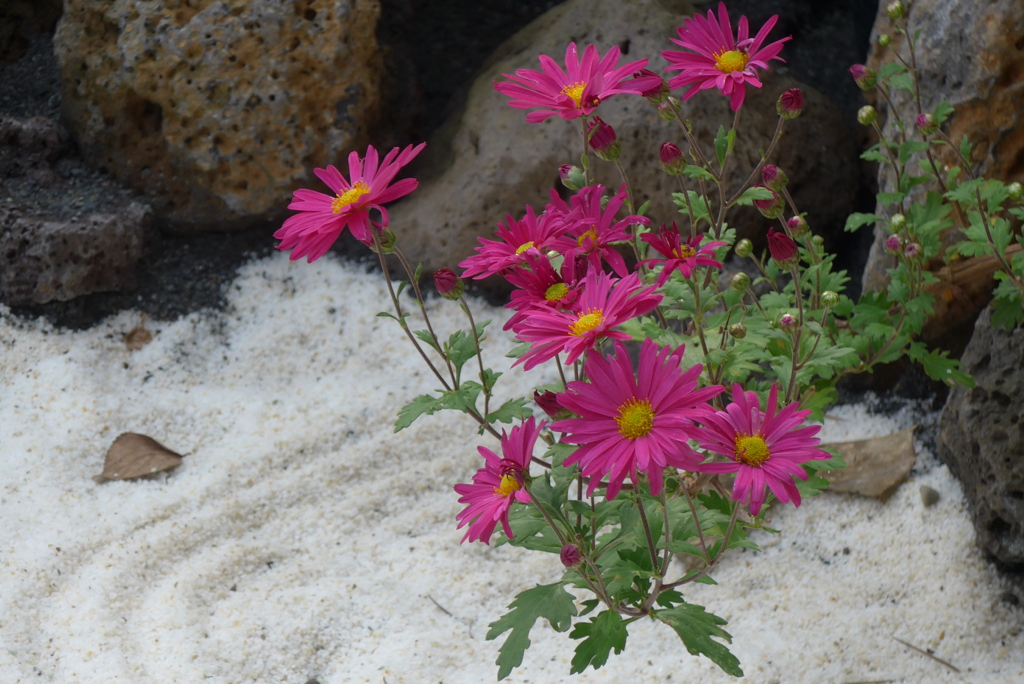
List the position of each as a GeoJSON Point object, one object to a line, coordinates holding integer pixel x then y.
{"type": "Point", "coordinates": [499, 483]}
{"type": "Point", "coordinates": [322, 219]}
{"type": "Point", "coordinates": [592, 230]}
{"type": "Point", "coordinates": [575, 91]}
{"type": "Point", "coordinates": [605, 303]}
{"type": "Point", "coordinates": [718, 60]}
{"type": "Point", "coordinates": [532, 234]}
{"type": "Point", "coordinates": [630, 424]}
{"type": "Point", "coordinates": [679, 256]}
{"type": "Point", "coordinates": [541, 286]}
{"type": "Point", "coordinates": [765, 448]}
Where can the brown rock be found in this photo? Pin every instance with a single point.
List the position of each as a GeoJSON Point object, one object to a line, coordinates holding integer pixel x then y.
{"type": "Point", "coordinates": [970, 54]}
{"type": "Point", "coordinates": [43, 260]}
{"type": "Point", "coordinates": [491, 162]}
{"type": "Point", "coordinates": [874, 467]}
{"type": "Point", "coordinates": [217, 110]}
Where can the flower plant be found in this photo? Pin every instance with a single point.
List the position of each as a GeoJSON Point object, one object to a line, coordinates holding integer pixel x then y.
{"type": "Point", "coordinates": [681, 412]}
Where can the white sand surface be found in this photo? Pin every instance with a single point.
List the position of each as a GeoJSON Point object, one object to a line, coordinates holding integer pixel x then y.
{"type": "Point", "coordinates": [302, 541]}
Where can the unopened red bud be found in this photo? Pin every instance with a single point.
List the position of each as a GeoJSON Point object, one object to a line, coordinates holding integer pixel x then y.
{"type": "Point", "coordinates": [572, 176]}
{"type": "Point", "coordinates": [548, 402]}
{"type": "Point", "coordinates": [781, 246]}
{"type": "Point", "coordinates": [863, 76]}
{"type": "Point", "coordinates": [570, 556]}
{"type": "Point", "coordinates": [893, 244]}
{"type": "Point", "coordinates": [672, 160]}
{"type": "Point", "coordinates": [449, 285]}
{"type": "Point", "coordinates": [772, 207]}
{"type": "Point", "coordinates": [655, 88]}
{"type": "Point", "coordinates": [602, 139]}
{"type": "Point", "coordinates": [926, 124]}
{"type": "Point", "coordinates": [774, 177]}
{"type": "Point", "coordinates": [787, 322]}
{"type": "Point", "coordinates": [790, 104]}
{"type": "Point", "coordinates": [797, 226]}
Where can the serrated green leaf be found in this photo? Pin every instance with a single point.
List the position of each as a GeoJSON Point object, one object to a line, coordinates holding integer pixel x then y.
{"type": "Point", "coordinates": [698, 172]}
{"type": "Point", "coordinates": [602, 634]}
{"type": "Point", "coordinates": [858, 219]}
{"type": "Point", "coordinates": [902, 82]}
{"type": "Point", "coordinates": [549, 601]}
{"type": "Point", "coordinates": [753, 193]}
{"type": "Point", "coordinates": [887, 198]}
{"type": "Point", "coordinates": [695, 627]}
{"type": "Point", "coordinates": [425, 336]}
{"type": "Point", "coordinates": [424, 403]}
{"type": "Point", "coordinates": [943, 110]}
{"type": "Point", "coordinates": [511, 411]}
{"type": "Point", "coordinates": [890, 69]}
{"type": "Point", "coordinates": [965, 147]}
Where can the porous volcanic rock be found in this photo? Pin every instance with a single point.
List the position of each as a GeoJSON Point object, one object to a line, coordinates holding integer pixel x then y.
{"type": "Point", "coordinates": [971, 54]}
{"type": "Point", "coordinates": [216, 109]}
{"type": "Point", "coordinates": [981, 439]}
{"type": "Point", "coordinates": [43, 260]}
{"type": "Point", "coordinates": [491, 162]}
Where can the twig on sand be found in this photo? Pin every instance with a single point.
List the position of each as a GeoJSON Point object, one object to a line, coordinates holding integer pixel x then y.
{"type": "Point", "coordinates": [440, 607]}
{"type": "Point", "coordinates": [923, 652]}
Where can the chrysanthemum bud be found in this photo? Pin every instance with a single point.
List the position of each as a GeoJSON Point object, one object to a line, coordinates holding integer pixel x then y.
{"type": "Point", "coordinates": [829, 299]}
{"type": "Point", "coordinates": [895, 10]}
{"type": "Point", "coordinates": [744, 248]}
{"type": "Point", "coordinates": [863, 76]}
{"type": "Point", "coordinates": [787, 322]}
{"type": "Point", "coordinates": [797, 226]}
{"type": "Point", "coordinates": [388, 239]}
{"type": "Point", "coordinates": [740, 282]}
{"type": "Point", "coordinates": [1015, 190]}
{"type": "Point", "coordinates": [898, 222]}
{"type": "Point", "coordinates": [602, 139]}
{"type": "Point", "coordinates": [572, 177]}
{"type": "Point", "coordinates": [774, 177]}
{"type": "Point", "coordinates": [738, 330]}
{"type": "Point", "coordinates": [926, 124]}
{"type": "Point", "coordinates": [672, 160]}
{"type": "Point", "coordinates": [866, 115]}
{"type": "Point", "coordinates": [773, 207]}
{"type": "Point", "coordinates": [657, 93]}
{"type": "Point", "coordinates": [449, 285]}
{"type": "Point", "coordinates": [781, 246]}
{"type": "Point", "coordinates": [667, 109]}
{"type": "Point", "coordinates": [790, 104]}
{"type": "Point", "coordinates": [893, 244]}
{"type": "Point", "coordinates": [570, 556]}
{"type": "Point", "coordinates": [817, 240]}
{"type": "Point", "coordinates": [912, 250]}
{"type": "Point", "coordinates": [548, 402]}
{"type": "Point", "coordinates": [884, 40]}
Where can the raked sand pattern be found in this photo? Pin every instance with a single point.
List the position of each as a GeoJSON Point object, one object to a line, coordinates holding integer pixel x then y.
{"type": "Point", "coordinates": [302, 541]}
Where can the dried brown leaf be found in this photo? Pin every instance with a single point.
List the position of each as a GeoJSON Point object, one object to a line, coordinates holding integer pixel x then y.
{"type": "Point", "coordinates": [138, 337]}
{"type": "Point", "coordinates": [874, 467]}
{"type": "Point", "coordinates": [133, 455]}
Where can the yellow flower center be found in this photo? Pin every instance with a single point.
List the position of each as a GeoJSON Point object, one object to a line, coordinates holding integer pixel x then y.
{"type": "Point", "coordinates": [350, 196]}
{"type": "Point", "coordinates": [752, 450]}
{"type": "Point", "coordinates": [523, 247]}
{"type": "Point", "coordinates": [556, 292]}
{"type": "Point", "coordinates": [684, 252]}
{"type": "Point", "coordinates": [590, 237]}
{"type": "Point", "coordinates": [635, 418]}
{"type": "Point", "coordinates": [507, 486]}
{"type": "Point", "coordinates": [731, 60]}
{"type": "Point", "coordinates": [574, 92]}
{"type": "Point", "coordinates": [586, 322]}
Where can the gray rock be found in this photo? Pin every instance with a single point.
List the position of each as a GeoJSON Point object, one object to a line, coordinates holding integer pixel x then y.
{"type": "Point", "coordinates": [981, 438]}
{"type": "Point", "coordinates": [491, 162]}
{"type": "Point", "coordinates": [44, 260]}
{"type": "Point", "coordinates": [969, 54]}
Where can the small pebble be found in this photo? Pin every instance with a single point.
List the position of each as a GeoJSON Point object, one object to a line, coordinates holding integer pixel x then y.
{"type": "Point", "coordinates": [929, 496]}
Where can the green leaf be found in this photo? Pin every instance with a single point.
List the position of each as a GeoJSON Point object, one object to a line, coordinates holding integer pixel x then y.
{"type": "Point", "coordinates": [902, 82]}
{"type": "Point", "coordinates": [424, 403]}
{"type": "Point", "coordinates": [695, 627]}
{"type": "Point", "coordinates": [859, 219]}
{"type": "Point", "coordinates": [891, 69]}
{"type": "Point", "coordinates": [425, 336]}
{"type": "Point", "coordinates": [939, 366]}
{"type": "Point", "coordinates": [887, 198]}
{"type": "Point", "coordinates": [602, 634]}
{"type": "Point", "coordinates": [942, 111]}
{"type": "Point", "coordinates": [721, 144]}
{"type": "Point", "coordinates": [698, 172]}
{"type": "Point", "coordinates": [753, 193]}
{"type": "Point", "coordinates": [510, 411]}
{"type": "Point", "coordinates": [549, 601]}
{"type": "Point", "coordinates": [965, 147]}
